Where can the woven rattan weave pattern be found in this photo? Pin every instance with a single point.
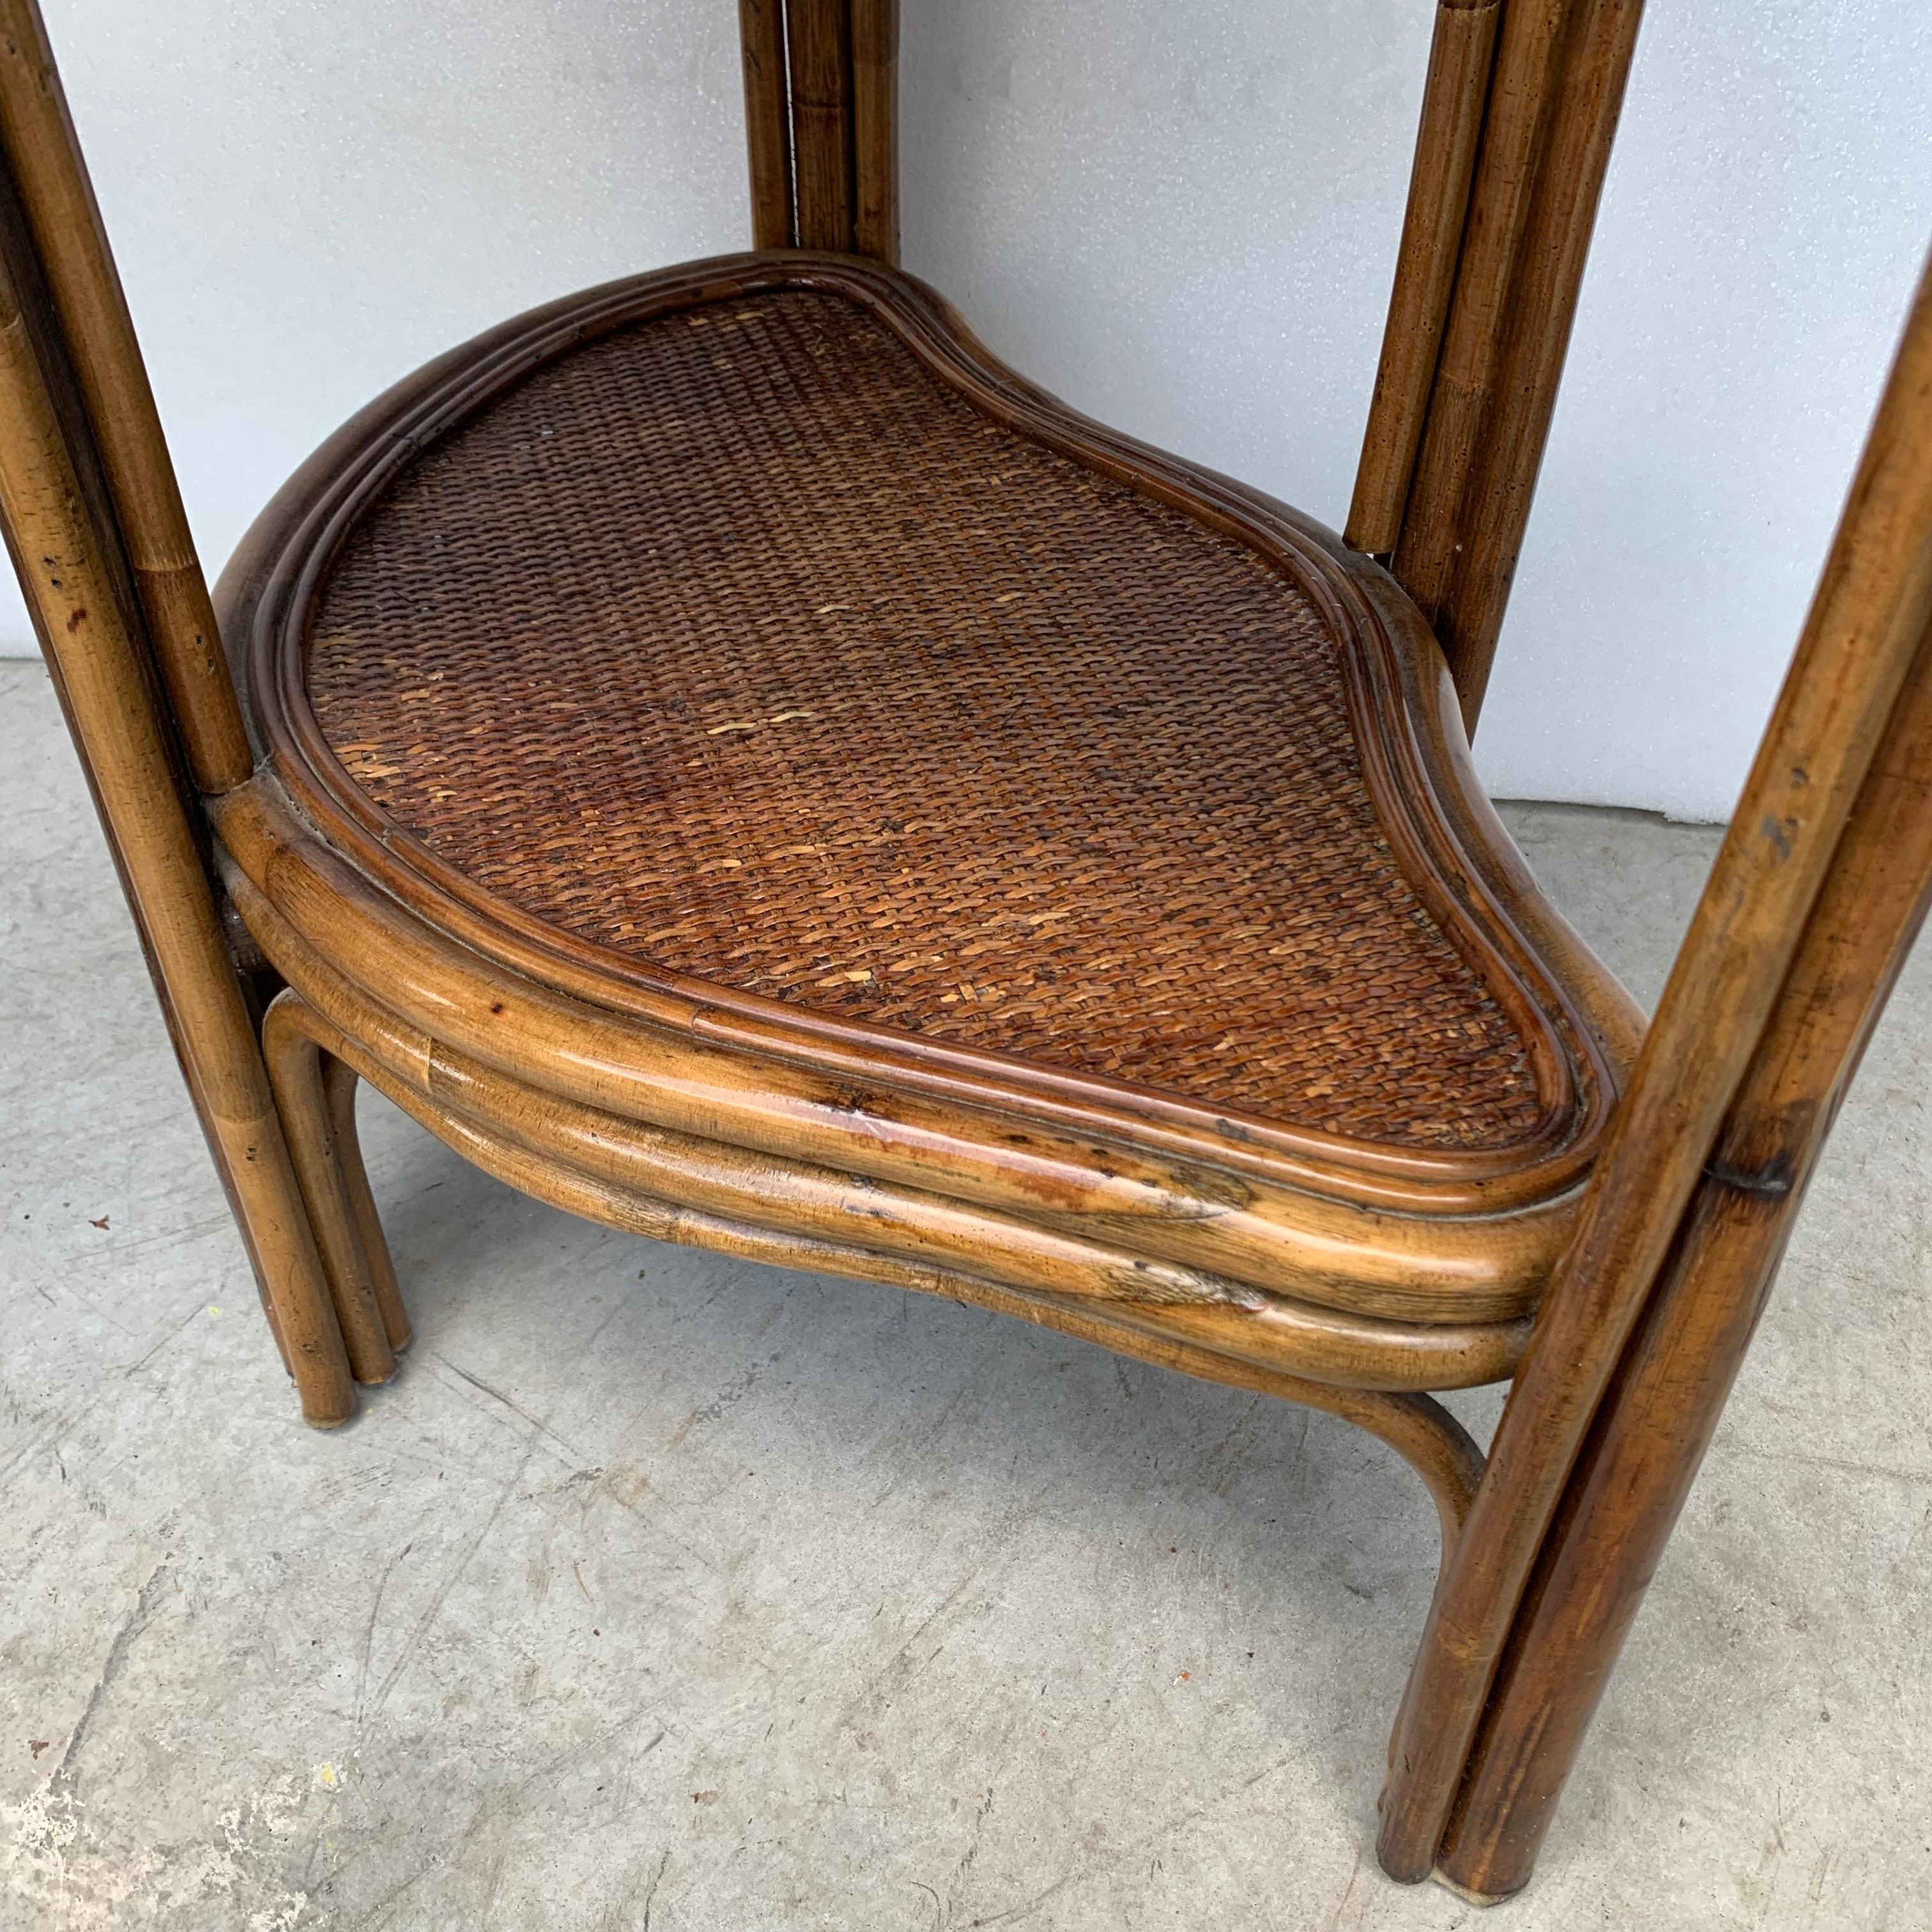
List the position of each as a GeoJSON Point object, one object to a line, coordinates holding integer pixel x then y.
{"type": "Point", "coordinates": [735, 640]}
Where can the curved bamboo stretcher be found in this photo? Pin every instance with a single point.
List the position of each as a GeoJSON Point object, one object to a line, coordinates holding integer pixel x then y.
{"type": "Point", "coordinates": [735, 762]}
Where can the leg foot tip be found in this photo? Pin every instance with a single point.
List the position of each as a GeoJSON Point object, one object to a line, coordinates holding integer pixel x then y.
{"type": "Point", "coordinates": [1441, 1877]}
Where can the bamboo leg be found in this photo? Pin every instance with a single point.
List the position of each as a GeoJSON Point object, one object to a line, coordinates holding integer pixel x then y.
{"type": "Point", "coordinates": [1812, 779]}
{"type": "Point", "coordinates": [82, 613]}
{"type": "Point", "coordinates": [875, 128]}
{"type": "Point", "coordinates": [819, 39]}
{"type": "Point", "coordinates": [767, 122]}
{"type": "Point", "coordinates": [340, 1082]}
{"type": "Point", "coordinates": [44, 160]}
{"type": "Point", "coordinates": [86, 472]}
{"type": "Point", "coordinates": [1461, 58]}
{"type": "Point", "coordinates": [1527, 53]}
{"type": "Point", "coordinates": [1638, 1465]}
{"type": "Point", "coordinates": [1494, 512]}
{"type": "Point", "coordinates": [1561, 66]}
{"type": "Point", "coordinates": [309, 1120]}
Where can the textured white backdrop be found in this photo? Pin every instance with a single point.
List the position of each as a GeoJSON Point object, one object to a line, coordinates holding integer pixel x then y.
{"type": "Point", "coordinates": [1181, 215]}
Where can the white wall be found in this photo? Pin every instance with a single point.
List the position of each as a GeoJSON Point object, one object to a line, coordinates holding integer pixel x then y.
{"type": "Point", "coordinates": [1180, 213]}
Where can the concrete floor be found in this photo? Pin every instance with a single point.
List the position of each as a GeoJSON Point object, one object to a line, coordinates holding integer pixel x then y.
{"type": "Point", "coordinates": [666, 1591]}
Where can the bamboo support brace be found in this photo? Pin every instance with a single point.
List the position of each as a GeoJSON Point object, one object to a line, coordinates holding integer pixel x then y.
{"type": "Point", "coordinates": [309, 1119]}
{"type": "Point", "coordinates": [339, 1083]}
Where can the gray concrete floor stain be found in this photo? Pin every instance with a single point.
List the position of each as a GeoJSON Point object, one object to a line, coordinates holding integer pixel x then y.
{"type": "Point", "coordinates": [662, 1590]}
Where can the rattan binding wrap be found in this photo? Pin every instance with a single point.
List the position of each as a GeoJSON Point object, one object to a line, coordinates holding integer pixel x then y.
{"type": "Point", "coordinates": [736, 641]}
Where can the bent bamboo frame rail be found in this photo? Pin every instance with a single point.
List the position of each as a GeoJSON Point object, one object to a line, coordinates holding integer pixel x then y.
{"type": "Point", "coordinates": [1741, 1032]}
{"type": "Point", "coordinates": [912, 1181]}
{"type": "Point", "coordinates": [589, 1165]}
{"type": "Point", "coordinates": [315, 1094]}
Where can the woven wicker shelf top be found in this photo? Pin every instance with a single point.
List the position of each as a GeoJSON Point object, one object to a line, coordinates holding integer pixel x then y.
{"type": "Point", "coordinates": [738, 642]}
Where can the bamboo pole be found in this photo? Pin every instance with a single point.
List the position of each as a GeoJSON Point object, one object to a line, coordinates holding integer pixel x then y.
{"type": "Point", "coordinates": [1529, 53]}
{"type": "Point", "coordinates": [1561, 68]}
{"type": "Point", "coordinates": [1869, 613]}
{"type": "Point", "coordinates": [1501, 485]}
{"type": "Point", "coordinates": [67, 571]}
{"type": "Point", "coordinates": [45, 160]}
{"type": "Point", "coordinates": [1641, 1457]}
{"type": "Point", "coordinates": [1462, 57]}
{"type": "Point", "coordinates": [875, 128]}
{"type": "Point", "coordinates": [767, 122]}
{"type": "Point", "coordinates": [819, 44]}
